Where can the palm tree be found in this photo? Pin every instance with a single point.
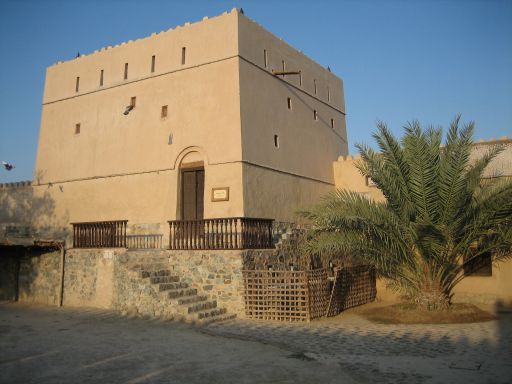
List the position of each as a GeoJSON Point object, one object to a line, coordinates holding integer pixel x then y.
{"type": "Point", "coordinates": [437, 216]}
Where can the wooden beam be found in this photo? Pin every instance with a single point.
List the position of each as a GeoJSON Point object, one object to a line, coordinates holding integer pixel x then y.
{"type": "Point", "coordinates": [282, 73]}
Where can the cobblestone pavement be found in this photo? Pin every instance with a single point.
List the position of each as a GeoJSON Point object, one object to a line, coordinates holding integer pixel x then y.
{"type": "Point", "coordinates": [369, 352]}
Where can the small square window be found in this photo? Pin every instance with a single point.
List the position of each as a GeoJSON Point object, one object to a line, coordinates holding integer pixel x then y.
{"type": "Point", "coordinates": [289, 102]}
{"type": "Point", "coordinates": [77, 128]}
{"type": "Point", "coordinates": [163, 113]}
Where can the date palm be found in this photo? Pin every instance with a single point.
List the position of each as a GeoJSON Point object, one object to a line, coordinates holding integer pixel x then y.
{"type": "Point", "coordinates": [437, 215]}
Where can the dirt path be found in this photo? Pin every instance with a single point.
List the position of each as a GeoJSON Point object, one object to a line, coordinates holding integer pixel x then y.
{"type": "Point", "coordinates": [51, 345]}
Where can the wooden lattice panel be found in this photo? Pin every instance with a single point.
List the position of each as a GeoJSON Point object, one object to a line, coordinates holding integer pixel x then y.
{"type": "Point", "coordinates": [285, 295]}
{"type": "Point", "coordinates": [352, 286]}
{"type": "Point", "coordinates": [319, 292]}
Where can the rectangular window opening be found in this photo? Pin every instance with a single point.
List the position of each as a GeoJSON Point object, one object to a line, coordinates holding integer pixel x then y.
{"type": "Point", "coordinates": [101, 78]}
{"type": "Point", "coordinates": [133, 101]}
{"type": "Point", "coordinates": [332, 123]}
{"type": "Point", "coordinates": [153, 59]}
{"type": "Point", "coordinates": [300, 78]}
{"type": "Point", "coordinates": [265, 58]}
{"type": "Point", "coordinates": [77, 128]}
{"type": "Point", "coordinates": [315, 115]}
{"type": "Point", "coordinates": [328, 94]}
{"type": "Point", "coordinates": [289, 101]}
{"type": "Point", "coordinates": [125, 71]}
{"type": "Point", "coordinates": [163, 113]}
{"type": "Point", "coordinates": [314, 83]}
{"type": "Point", "coordinates": [284, 67]}
{"type": "Point", "coordinates": [183, 55]}
{"type": "Point", "coordinates": [77, 85]}
{"type": "Point", "coordinates": [276, 141]}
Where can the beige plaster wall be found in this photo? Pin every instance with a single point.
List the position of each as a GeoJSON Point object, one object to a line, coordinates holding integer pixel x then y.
{"type": "Point", "coordinates": [277, 195]}
{"type": "Point", "coordinates": [307, 147]}
{"type": "Point", "coordinates": [209, 40]}
{"type": "Point", "coordinates": [347, 176]}
{"type": "Point", "coordinates": [280, 180]}
{"type": "Point", "coordinates": [127, 166]}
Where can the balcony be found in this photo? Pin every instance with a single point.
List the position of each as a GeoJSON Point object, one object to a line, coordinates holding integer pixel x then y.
{"type": "Point", "coordinates": [221, 233]}
{"type": "Point", "coordinates": [206, 234]}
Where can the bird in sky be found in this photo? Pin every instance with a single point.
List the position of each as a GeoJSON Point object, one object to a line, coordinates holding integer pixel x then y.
{"type": "Point", "coordinates": [8, 166]}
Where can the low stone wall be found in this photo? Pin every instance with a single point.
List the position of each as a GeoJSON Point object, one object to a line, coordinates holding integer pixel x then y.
{"type": "Point", "coordinates": [89, 277]}
{"type": "Point", "coordinates": [109, 278]}
{"type": "Point", "coordinates": [39, 277]}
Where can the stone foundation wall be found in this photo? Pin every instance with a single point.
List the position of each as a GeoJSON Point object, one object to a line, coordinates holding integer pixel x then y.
{"type": "Point", "coordinates": [89, 277]}
{"type": "Point", "coordinates": [39, 277]}
{"type": "Point", "coordinates": [131, 293]}
{"type": "Point", "coordinates": [109, 278]}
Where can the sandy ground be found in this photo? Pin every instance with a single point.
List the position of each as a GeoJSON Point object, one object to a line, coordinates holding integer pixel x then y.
{"type": "Point", "coordinates": [52, 345]}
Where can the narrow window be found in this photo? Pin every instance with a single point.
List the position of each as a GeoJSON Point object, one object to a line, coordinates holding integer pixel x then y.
{"type": "Point", "coordinates": [276, 141]}
{"type": "Point", "coordinates": [101, 78]}
{"type": "Point", "coordinates": [77, 128]}
{"type": "Point", "coordinates": [315, 115]}
{"type": "Point", "coordinates": [265, 58]}
{"type": "Point", "coordinates": [328, 94]}
{"type": "Point", "coordinates": [183, 55]}
{"type": "Point", "coordinates": [300, 78]}
{"type": "Point", "coordinates": [125, 71]}
{"type": "Point", "coordinates": [289, 103]}
{"type": "Point", "coordinates": [332, 123]}
{"type": "Point", "coordinates": [284, 67]}
{"type": "Point", "coordinates": [77, 85]}
{"type": "Point", "coordinates": [133, 100]}
{"type": "Point", "coordinates": [163, 113]}
{"type": "Point", "coordinates": [153, 58]}
{"type": "Point", "coordinates": [314, 82]}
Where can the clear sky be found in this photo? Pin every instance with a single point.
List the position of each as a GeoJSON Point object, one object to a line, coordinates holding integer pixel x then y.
{"type": "Point", "coordinates": [400, 60]}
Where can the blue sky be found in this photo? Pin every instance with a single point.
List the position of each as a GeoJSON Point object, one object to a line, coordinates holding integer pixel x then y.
{"type": "Point", "coordinates": [400, 60]}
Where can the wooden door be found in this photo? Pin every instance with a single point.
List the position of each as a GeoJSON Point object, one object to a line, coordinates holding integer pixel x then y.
{"type": "Point", "coordinates": [192, 194]}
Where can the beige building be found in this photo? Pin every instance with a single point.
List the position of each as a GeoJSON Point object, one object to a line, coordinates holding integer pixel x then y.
{"type": "Point", "coordinates": [189, 123]}
{"type": "Point", "coordinates": [208, 125]}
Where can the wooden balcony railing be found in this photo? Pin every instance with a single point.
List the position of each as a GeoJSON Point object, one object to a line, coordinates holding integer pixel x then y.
{"type": "Point", "coordinates": [100, 234]}
{"type": "Point", "coordinates": [149, 241]}
{"type": "Point", "coordinates": [224, 233]}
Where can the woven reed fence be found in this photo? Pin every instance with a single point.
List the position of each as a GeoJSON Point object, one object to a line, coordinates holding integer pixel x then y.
{"type": "Point", "coordinates": [352, 286]}
{"type": "Point", "coordinates": [305, 295]}
{"type": "Point", "coordinates": [286, 295]}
